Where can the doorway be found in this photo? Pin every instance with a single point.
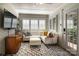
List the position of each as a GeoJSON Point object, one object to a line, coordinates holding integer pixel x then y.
{"type": "Point", "coordinates": [71, 30]}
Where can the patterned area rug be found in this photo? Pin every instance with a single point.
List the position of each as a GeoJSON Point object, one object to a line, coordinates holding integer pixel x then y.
{"type": "Point", "coordinates": [43, 50]}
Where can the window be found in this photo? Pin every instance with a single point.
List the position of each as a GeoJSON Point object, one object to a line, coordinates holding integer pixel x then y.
{"type": "Point", "coordinates": [70, 24]}
{"type": "Point", "coordinates": [7, 22]}
{"type": "Point", "coordinates": [14, 24]}
{"type": "Point", "coordinates": [34, 24]}
{"type": "Point", "coordinates": [51, 24]}
{"type": "Point", "coordinates": [41, 24]}
{"type": "Point", "coordinates": [25, 24]}
{"type": "Point", "coordinates": [54, 23]}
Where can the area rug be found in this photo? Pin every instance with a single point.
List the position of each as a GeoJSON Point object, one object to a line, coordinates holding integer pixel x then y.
{"type": "Point", "coordinates": [43, 50]}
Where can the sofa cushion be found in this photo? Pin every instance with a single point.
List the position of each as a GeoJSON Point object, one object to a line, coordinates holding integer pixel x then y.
{"type": "Point", "coordinates": [43, 37]}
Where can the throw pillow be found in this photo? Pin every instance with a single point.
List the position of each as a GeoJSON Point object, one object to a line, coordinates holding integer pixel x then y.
{"type": "Point", "coordinates": [51, 34]}
{"type": "Point", "coordinates": [45, 33]}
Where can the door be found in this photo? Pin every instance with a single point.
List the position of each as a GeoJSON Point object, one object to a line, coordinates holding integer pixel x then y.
{"type": "Point", "coordinates": [71, 30]}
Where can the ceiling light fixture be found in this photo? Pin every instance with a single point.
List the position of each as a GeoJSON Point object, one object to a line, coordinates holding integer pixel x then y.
{"type": "Point", "coordinates": [41, 3]}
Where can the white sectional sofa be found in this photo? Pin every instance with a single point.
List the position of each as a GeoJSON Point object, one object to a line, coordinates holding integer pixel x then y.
{"type": "Point", "coordinates": [49, 40]}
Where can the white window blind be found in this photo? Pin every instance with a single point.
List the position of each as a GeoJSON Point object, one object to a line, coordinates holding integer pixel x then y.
{"type": "Point", "coordinates": [25, 24]}
{"type": "Point", "coordinates": [34, 24]}
{"type": "Point", "coordinates": [41, 24]}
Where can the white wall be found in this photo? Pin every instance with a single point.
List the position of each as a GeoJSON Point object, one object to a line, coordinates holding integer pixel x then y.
{"type": "Point", "coordinates": [3, 34]}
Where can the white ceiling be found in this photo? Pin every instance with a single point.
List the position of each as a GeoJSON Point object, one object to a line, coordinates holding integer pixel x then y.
{"type": "Point", "coordinates": [36, 8]}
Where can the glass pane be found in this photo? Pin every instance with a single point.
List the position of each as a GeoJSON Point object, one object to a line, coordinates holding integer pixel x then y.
{"type": "Point", "coordinates": [54, 23]}
{"type": "Point", "coordinates": [14, 24]}
{"type": "Point", "coordinates": [41, 24]}
{"type": "Point", "coordinates": [72, 29]}
{"type": "Point", "coordinates": [7, 19]}
{"type": "Point", "coordinates": [25, 24]}
{"type": "Point", "coordinates": [7, 22]}
{"type": "Point", "coordinates": [34, 24]}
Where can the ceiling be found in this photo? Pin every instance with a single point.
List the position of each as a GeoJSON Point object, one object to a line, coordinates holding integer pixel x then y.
{"type": "Point", "coordinates": [36, 8]}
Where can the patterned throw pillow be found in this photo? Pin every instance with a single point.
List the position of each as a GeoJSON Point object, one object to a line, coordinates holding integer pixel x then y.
{"type": "Point", "coordinates": [51, 34]}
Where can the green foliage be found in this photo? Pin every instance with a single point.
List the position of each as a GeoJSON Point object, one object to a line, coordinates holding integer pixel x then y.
{"type": "Point", "coordinates": [73, 33]}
